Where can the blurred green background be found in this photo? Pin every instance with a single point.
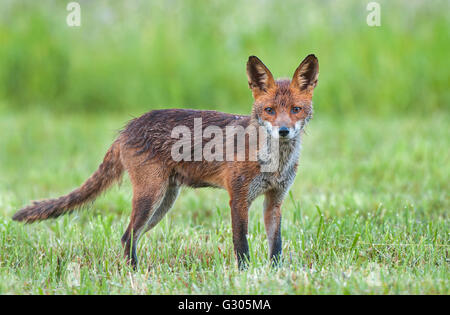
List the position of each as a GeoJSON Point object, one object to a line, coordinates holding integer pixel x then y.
{"type": "Point", "coordinates": [134, 56]}
{"type": "Point", "coordinates": [368, 212]}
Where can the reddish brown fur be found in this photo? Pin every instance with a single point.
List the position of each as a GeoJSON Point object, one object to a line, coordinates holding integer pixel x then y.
{"type": "Point", "coordinates": [143, 149]}
{"type": "Point", "coordinates": [108, 172]}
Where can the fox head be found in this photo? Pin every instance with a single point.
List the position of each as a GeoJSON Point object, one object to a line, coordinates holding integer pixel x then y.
{"type": "Point", "coordinates": [283, 106]}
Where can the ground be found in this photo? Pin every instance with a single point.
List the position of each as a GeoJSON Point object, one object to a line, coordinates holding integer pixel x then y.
{"type": "Point", "coordinates": [368, 213]}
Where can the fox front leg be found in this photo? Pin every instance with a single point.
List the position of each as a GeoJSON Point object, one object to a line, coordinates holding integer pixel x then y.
{"type": "Point", "coordinates": [239, 221]}
{"type": "Point", "coordinates": [272, 222]}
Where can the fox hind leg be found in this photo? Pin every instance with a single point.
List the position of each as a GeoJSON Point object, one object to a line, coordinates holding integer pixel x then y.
{"type": "Point", "coordinates": [149, 190]}
{"type": "Point", "coordinates": [167, 203]}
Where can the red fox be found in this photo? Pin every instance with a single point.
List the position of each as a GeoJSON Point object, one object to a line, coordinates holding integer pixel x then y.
{"type": "Point", "coordinates": [144, 148]}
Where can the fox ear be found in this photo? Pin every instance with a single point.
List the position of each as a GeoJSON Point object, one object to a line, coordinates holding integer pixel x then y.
{"type": "Point", "coordinates": [305, 77]}
{"type": "Point", "coordinates": [259, 77]}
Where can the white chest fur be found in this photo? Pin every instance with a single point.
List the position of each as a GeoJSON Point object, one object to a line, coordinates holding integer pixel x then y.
{"type": "Point", "coordinates": [283, 177]}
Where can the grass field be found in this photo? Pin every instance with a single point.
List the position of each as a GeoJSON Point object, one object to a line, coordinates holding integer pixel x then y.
{"type": "Point", "coordinates": [369, 210]}
{"type": "Point", "coordinates": [368, 213]}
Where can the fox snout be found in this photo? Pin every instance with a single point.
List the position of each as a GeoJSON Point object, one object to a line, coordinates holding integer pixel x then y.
{"type": "Point", "coordinates": [284, 131]}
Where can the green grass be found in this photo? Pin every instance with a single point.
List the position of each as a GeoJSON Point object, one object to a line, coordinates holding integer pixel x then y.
{"type": "Point", "coordinates": [368, 213]}
{"type": "Point", "coordinates": [151, 54]}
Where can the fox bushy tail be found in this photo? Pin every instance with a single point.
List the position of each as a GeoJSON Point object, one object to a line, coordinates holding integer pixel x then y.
{"type": "Point", "coordinates": [108, 172]}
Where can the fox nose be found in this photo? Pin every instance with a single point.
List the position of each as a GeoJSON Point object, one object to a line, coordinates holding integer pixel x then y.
{"type": "Point", "coordinates": [283, 131]}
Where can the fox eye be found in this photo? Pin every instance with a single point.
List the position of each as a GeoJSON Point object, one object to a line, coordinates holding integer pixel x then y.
{"type": "Point", "coordinates": [296, 109]}
{"type": "Point", "coordinates": [269, 110]}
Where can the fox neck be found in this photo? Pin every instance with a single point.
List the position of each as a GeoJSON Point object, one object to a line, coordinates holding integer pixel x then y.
{"type": "Point", "coordinates": [289, 154]}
